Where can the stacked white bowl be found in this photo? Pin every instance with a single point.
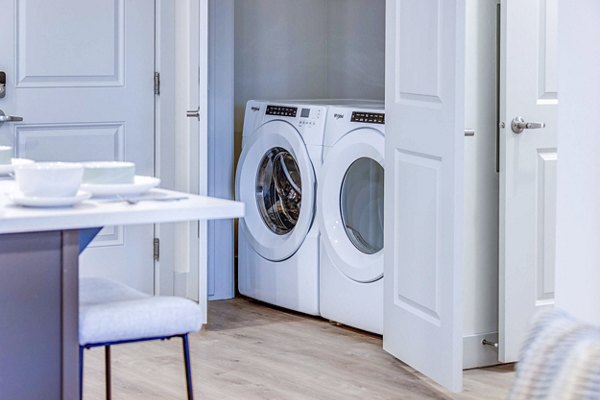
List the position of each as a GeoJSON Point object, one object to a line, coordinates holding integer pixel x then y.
{"type": "Point", "coordinates": [5, 155]}
{"type": "Point", "coordinates": [49, 179]}
{"type": "Point", "coordinates": [59, 183]}
{"type": "Point", "coordinates": [108, 172]}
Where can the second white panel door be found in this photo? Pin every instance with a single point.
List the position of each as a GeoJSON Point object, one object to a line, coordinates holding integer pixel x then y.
{"type": "Point", "coordinates": [81, 76]}
{"type": "Point", "coordinates": [529, 81]}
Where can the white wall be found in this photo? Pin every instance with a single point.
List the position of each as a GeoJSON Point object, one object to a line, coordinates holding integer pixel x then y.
{"type": "Point", "coordinates": [578, 190]}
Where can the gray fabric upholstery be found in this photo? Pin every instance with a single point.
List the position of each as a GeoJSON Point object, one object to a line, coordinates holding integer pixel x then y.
{"type": "Point", "coordinates": [560, 360]}
{"type": "Point", "coordinates": [110, 311]}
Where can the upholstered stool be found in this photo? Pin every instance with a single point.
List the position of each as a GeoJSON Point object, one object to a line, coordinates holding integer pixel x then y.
{"type": "Point", "coordinates": [112, 313]}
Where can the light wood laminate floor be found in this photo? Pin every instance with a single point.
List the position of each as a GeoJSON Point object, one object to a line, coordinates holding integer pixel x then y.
{"type": "Point", "coordinates": [250, 351]}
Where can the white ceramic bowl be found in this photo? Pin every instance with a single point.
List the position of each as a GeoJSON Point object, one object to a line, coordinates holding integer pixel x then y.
{"type": "Point", "coordinates": [49, 179]}
{"type": "Point", "coordinates": [108, 172]}
{"type": "Point", "coordinates": [6, 153]}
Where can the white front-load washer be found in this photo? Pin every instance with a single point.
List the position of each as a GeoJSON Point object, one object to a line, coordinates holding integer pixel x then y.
{"type": "Point", "coordinates": [350, 216]}
{"type": "Point", "coordinates": [278, 240]}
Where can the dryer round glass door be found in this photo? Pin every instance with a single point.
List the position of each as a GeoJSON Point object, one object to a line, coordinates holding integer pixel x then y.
{"type": "Point", "coordinates": [279, 190]}
{"type": "Point", "coordinates": [361, 205]}
{"type": "Point", "coordinates": [350, 204]}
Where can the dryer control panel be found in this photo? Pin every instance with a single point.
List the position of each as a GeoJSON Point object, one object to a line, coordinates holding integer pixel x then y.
{"type": "Point", "coordinates": [367, 117]}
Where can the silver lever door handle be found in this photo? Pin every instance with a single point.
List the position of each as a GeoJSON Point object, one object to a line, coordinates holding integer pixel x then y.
{"type": "Point", "coordinates": [8, 118]}
{"type": "Point", "coordinates": [193, 113]}
{"type": "Point", "coordinates": [518, 125]}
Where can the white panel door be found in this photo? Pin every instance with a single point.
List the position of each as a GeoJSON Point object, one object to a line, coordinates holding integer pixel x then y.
{"type": "Point", "coordinates": [529, 81]}
{"type": "Point", "coordinates": [80, 73]}
{"type": "Point", "coordinates": [423, 310]}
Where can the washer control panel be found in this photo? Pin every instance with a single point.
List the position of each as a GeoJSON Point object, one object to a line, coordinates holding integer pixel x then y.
{"type": "Point", "coordinates": [307, 118]}
{"type": "Point", "coordinates": [303, 117]}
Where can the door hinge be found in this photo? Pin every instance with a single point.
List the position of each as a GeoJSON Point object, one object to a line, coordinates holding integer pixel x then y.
{"type": "Point", "coordinates": [157, 83]}
{"type": "Point", "coordinates": [156, 249]}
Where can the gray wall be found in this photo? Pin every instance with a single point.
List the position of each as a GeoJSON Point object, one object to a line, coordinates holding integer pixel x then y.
{"type": "Point", "coordinates": [319, 49]}
{"type": "Point", "coordinates": [356, 49]}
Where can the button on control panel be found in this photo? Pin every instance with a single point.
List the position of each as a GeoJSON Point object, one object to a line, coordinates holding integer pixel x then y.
{"type": "Point", "coordinates": [309, 117]}
{"type": "Point", "coordinates": [370, 118]}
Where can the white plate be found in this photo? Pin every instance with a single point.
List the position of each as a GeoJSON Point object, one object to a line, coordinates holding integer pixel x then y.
{"type": "Point", "coordinates": [140, 185]}
{"type": "Point", "coordinates": [31, 201]}
{"type": "Point", "coordinates": [9, 168]}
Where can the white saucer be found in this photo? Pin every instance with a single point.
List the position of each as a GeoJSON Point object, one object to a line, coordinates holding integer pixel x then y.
{"type": "Point", "coordinates": [141, 185]}
{"type": "Point", "coordinates": [8, 168]}
{"type": "Point", "coordinates": [35, 201]}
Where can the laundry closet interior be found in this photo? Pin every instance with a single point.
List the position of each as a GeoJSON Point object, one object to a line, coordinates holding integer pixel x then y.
{"type": "Point", "coordinates": [335, 49]}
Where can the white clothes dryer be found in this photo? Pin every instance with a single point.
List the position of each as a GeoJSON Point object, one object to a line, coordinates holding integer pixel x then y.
{"type": "Point", "coordinates": [278, 241]}
{"type": "Point", "coordinates": [350, 216]}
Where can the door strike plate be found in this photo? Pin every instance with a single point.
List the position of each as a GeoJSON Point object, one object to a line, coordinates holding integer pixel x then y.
{"type": "Point", "coordinates": [2, 84]}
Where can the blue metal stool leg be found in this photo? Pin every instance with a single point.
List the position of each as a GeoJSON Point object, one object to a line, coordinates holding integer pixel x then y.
{"type": "Point", "coordinates": [107, 372]}
{"type": "Point", "coordinates": [188, 367]}
{"type": "Point", "coordinates": [107, 361]}
{"type": "Point", "coordinates": [81, 349]}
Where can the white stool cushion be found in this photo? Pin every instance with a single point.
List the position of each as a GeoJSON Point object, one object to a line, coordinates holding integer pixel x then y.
{"type": "Point", "coordinates": [110, 311]}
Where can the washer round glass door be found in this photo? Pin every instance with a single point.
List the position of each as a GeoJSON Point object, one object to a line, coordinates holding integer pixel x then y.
{"type": "Point", "coordinates": [350, 211]}
{"type": "Point", "coordinates": [279, 190]}
{"type": "Point", "coordinates": [276, 180]}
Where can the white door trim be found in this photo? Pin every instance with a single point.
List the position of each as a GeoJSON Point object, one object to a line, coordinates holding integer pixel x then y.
{"type": "Point", "coordinates": [164, 149]}
{"type": "Point", "coordinates": [181, 143]}
{"type": "Point", "coordinates": [220, 142]}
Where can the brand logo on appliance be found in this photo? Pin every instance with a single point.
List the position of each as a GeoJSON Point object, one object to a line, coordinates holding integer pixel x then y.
{"type": "Point", "coordinates": [338, 116]}
{"type": "Point", "coordinates": [254, 108]}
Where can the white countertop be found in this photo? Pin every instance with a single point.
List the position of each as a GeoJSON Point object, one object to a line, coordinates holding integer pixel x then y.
{"type": "Point", "coordinates": [102, 212]}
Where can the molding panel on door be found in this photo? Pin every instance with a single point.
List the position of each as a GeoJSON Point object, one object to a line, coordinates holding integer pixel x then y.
{"type": "Point", "coordinates": [109, 236]}
{"type": "Point", "coordinates": [53, 53]}
{"type": "Point", "coordinates": [71, 142]}
{"type": "Point", "coordinates": [419, 79]}
{"type": "Point", "coordinates": [548, 45]}
{"type": "Point", "coordinates": [417, 243]}
{"type": "Point", "coordinates": [546, 234]}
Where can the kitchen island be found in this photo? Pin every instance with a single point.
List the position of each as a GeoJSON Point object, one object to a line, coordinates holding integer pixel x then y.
{"type": "Point", "coordinates": [39, 281]}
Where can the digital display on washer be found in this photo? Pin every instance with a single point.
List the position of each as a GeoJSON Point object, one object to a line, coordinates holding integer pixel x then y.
{"type": "Point", "coordinates": [370, 118]}
{"type": "Point", "coordinates": [305, 113]}
{"type": "Point", "coordinates": [282, 111]}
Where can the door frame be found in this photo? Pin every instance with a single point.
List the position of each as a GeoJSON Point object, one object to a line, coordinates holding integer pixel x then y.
{"type": "Point", "coordinates": [181, 142]}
